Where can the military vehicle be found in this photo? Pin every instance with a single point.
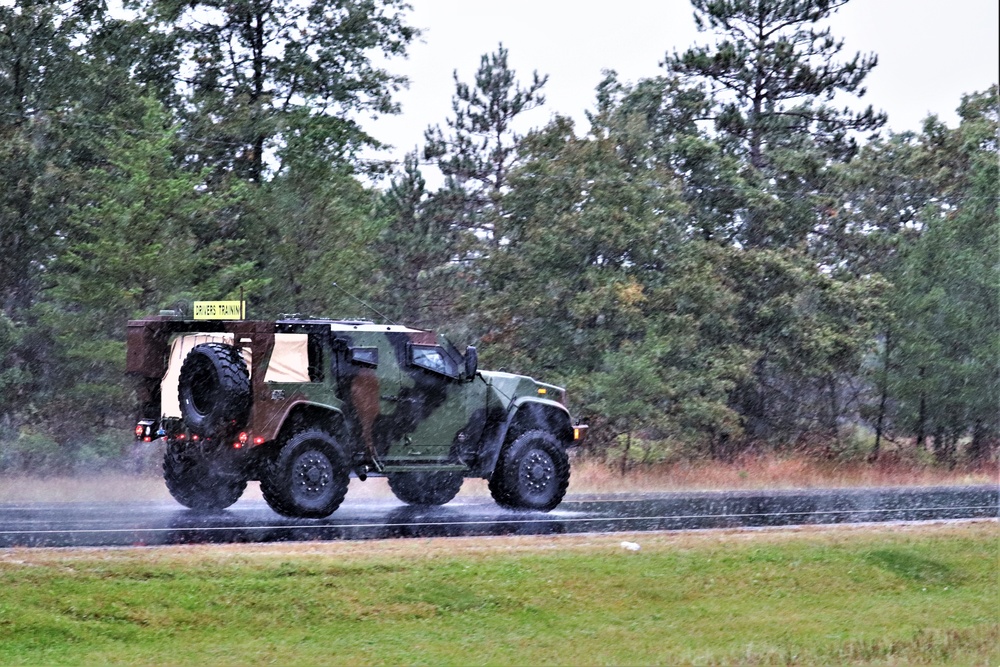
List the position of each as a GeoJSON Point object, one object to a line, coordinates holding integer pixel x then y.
{"type": "Point", "coordinates": [301, 404]}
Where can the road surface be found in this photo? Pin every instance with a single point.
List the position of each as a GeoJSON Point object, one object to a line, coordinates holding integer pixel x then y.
{"type": "Point", "coordinates": [166, 523]}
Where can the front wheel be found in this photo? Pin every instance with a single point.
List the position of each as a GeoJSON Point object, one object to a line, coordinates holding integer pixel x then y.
{"type": "Point", "coordinates": [199, 480]}
{"type": "Point", "coordinates": [425, 488]}
{"type": "Point", "coordinates": [532, 473]}
{"type": "Point", "coordinates": [307, 478]}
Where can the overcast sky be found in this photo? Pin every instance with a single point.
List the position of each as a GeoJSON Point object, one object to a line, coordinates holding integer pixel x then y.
{"type": "Point", "coordinates": [930, 53]}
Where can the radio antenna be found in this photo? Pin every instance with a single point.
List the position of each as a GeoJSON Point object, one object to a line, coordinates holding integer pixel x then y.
{"type": "Point", "coordinates": [366, 305]}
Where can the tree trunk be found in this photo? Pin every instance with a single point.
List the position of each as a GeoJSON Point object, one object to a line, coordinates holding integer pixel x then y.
{"type": "Point", "coordinates": [834, 407]}
{"type": "Point", "coordinates": [628, 446]}
{"type": "Point", "coordinates": [922, 414]}
{"type": "Point", "coordinates": [978, 448]}
{"type": "Point", "coordinates": [880, 421]}
{"type": "Point", "coordinates": [256, 99]}
{"type": "Point", "coordinates": [944, 446]}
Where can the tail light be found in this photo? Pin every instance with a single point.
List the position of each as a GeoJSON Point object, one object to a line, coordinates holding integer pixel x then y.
{"type": "Point", "coordinates": [146, 430]}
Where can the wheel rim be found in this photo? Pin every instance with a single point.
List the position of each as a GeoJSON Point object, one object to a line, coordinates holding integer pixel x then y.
{"type": "Point", "coordinates": [312, 477]}
{"type": "Point", "coordinates": [537, 475]}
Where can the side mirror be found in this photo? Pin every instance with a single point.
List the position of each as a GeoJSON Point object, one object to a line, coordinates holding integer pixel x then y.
{"type": "Point", "coordinates": [471, 362]}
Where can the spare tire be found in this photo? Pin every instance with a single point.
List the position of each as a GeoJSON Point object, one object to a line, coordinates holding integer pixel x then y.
{"type": "Point", "coordinates": [214, 390]}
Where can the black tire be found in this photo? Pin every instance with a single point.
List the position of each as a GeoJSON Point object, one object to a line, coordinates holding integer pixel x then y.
{"type": "Point", "coordinates": [425, 488]}
{"type": "Point", "coordinates": [199, 481]}
{"type": "Point", "coordinates": [532, 473]}
{"type": "Point", "coordinates": [308, 476]}
{"type": "Point", "coordinates": [214, 390]}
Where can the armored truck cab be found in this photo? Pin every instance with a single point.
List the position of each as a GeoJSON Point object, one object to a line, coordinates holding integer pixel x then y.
{"type": "Point", "coordinates": [301, 404]}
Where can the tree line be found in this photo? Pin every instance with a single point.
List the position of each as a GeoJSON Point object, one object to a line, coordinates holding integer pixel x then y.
{"type": "Point", "coordinates": [730, 257]}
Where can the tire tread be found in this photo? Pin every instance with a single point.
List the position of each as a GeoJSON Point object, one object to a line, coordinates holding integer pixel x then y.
{"type": "Point", "coordinates": [503, 488]}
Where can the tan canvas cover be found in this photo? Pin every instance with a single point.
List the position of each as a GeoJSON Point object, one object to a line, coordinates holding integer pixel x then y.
{"type": "Point", "coordinates": [170, 403]}
{"type": "Point", "coordinates": [290, 359]}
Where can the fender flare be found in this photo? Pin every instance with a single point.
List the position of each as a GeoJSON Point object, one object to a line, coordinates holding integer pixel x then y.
{"type": "Point", "coordinates": [495, 436]}
{"type": "Point", "coordinates": [280, 422]}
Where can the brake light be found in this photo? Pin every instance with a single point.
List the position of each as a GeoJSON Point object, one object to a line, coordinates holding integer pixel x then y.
{"type": "Point", "coordinates": [145, 430]}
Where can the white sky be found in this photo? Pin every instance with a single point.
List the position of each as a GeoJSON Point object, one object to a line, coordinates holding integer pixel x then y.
{"type": "Point", "coordinates": [930, 53]}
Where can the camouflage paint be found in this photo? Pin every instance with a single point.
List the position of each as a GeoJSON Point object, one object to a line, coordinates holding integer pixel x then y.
{"type": "Point", "coordinates": [396, 415]}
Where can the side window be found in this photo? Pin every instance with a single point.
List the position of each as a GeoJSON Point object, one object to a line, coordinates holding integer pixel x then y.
{"type": "Point", "coordinates": [364, 356]}
{"type": "Point", "coordinates": [432, 358]}
{"type": "Point", "coordinates": [295, 358]}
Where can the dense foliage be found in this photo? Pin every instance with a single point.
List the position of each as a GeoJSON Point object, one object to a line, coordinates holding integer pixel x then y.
{"type": "Point", "coordinates": [721, 261]}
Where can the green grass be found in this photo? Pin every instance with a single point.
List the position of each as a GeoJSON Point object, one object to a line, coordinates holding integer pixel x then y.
{"type": "Point", "coordinates": [892, 595]}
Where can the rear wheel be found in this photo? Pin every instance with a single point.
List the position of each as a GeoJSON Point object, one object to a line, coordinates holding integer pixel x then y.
{"type": "Point", "coordinates": [200, 481]}
{"type": "Point", "coordinates": [425, 488]}
{"type": "Point", "coordinates": [532, 473]}
{"type": "Point", "coordinates": [308, 477]}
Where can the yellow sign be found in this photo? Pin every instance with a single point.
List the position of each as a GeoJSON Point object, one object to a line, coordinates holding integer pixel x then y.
{"type": "Point", "coordinates": [219, 310]}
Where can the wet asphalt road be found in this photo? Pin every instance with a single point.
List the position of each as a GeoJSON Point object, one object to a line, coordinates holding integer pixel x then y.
{"type": "Point", "coordinates": [145, 523]}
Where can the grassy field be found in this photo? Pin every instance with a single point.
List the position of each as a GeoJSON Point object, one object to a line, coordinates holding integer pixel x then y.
{"type": "Point", "coordinates": [886, 595]}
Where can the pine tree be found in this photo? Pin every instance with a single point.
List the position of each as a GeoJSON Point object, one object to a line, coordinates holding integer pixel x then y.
{"type": "Point", "coordinates": [480, 151]}
{"type": "Point", "coordinates": [773, 74]}
{"type": "Point", "coordinates": [313, 228]}
{"type": "Point", "coordinates": [762, 184]}
{"type": "Point", "coordinates": [418, 250]}
{"type": "Point", "coordinates": [127, 250]}
{"type": "Point", "coordinates": [41, 77]}
{"type": "Point", "coordinates": [281, 78]}
{"type": "Point", "coordinates": [945, 372]}
{"type": "Point", "coordinates": [598, 277]}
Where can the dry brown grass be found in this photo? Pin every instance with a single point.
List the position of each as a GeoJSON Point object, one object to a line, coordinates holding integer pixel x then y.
{"type": "Point", "coordinates": [769, 472]}
{"type": "Point", "coordinates": [759, 472]}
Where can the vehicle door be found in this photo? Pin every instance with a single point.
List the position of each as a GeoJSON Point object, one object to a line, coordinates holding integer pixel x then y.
{"type": "Point", "coordinates": [435, 410]}
{"type": "Point", "coordinates": [368, 373]}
